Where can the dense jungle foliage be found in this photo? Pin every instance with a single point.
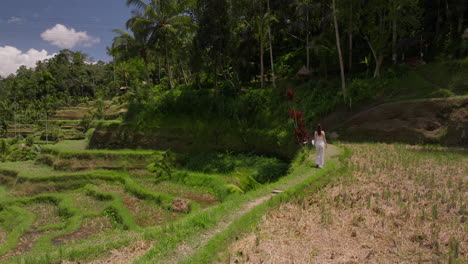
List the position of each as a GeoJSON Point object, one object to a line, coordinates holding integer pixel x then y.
{"type": "Point", "coordinates": [229, 47]}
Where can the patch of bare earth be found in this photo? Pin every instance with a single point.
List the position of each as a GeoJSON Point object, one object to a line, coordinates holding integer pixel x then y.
{"type": "Point", "coordinates": [88, 204]}
{"type": "Point", "coordinates": [91, 227]}
{"type": "Point", "coordinates": [3, 236]}
{"type": "Point", "coordinates": [121, 256]}
{"type": "Point", "coordinates": [26, 243]}
{"type": "Point", "coordinates": [46, 214]}
{"type": "Point", "coordinates": [147, 213]}
{"type": "Point", "coordinates": [202, 197]}
{"type": "Point", "coordinates": [395, 204]}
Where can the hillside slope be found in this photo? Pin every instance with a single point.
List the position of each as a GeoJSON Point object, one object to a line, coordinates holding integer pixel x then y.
{"type": "Point", "coordinates": [436, 121]}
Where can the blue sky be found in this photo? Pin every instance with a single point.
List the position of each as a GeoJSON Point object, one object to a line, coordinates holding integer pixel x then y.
{"type": "Point", "coordinates": [36, 29]}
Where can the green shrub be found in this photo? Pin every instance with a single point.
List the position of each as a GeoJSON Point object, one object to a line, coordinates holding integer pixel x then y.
{"type": "Point", "coordinates": [216, 184]}
{"type": "Point", "coordinates": [3, 146]}
{"type": "Point", "coordinates": [270, 170]}
{"type": "Point", "coordinates": [212, 162]}
{"type": "Point", "coordinates": [89, 134]}
{"type": "Point", "coordinates": [45, 159]}
{"type": "Point", "coordinates": [29, 141]}
{"type": "Point", "coordinates": [23, 154]}
{"type": "Point", "coordinates": [162, 164]}
{"type": "Point", "coordinates": [247, 183]}
{"type": "Point", "coordinates": [99, 114]}
{"type": "Point", "coordinates": [54, 134]}
{"type": "Point", "coordinates": [86, 122]}
{"type": "Point", "coordinates": [442, 93]}
{"type": "Point", "coordinates": [363, 90]}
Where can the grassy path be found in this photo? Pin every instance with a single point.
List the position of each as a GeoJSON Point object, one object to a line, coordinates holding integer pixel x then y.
{"type": "Point", "coordinates": [187, 249]}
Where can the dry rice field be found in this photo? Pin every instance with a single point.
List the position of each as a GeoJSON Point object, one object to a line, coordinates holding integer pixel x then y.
{"type": "Point", "coordinates": [389, 204]}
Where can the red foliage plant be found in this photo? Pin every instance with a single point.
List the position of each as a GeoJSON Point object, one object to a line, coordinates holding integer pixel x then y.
{"type": "Point", "coordinates": [290, 94]}
{"type": "Point", "coordinates": [301, 134]}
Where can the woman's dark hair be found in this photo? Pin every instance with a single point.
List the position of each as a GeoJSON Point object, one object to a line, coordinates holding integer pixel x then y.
{"type": "Point", "coordinates": [319, 130]}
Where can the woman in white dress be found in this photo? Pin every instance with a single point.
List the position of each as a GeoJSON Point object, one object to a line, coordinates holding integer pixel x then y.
{"type": "Point", "coordinates": [320, 145]}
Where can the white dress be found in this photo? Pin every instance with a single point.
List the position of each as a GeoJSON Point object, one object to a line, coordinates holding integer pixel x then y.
{"type": "Point", "coordinates": [320, 151]}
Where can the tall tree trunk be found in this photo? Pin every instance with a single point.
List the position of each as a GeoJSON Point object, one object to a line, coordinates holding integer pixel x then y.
{"type": "Point", "coordinates": [14, 117]}
{"type": "Point", "coordinates": [159, 70]}
{"type": "Point", "coordinates": [262, 67]}
{"type": "Point", "coordinates": [378, 66]}
{"type": "Point", "coordinates": [307, 39]}
{"type": "Point", "coordinates": [168, 65]}
{"type": "Point", "coordinates": [184, 74]}
{"type": "Point", "coordinates": [350, 52]}
{"type": "Point", "coordinates": [271, 50]}
{"type": "Point", "coordinates": [438, 19]}
{"type": "Point", "coordinates": [461, 19]}
{"type": "Point", "coordinates": [148, 81]}
{"type": "Point", "coordinates": [215, 68]}
{"type": "Point", "coordinates": [377, 58]}
{"type": "Point", "coordinates": [47, 128]}
{"type": "Point", "coordinates": [338, 46]}
{"type": "Point", "coordinates": [394, 33]}
{"type": "Point", "coordinates": [350, 39]}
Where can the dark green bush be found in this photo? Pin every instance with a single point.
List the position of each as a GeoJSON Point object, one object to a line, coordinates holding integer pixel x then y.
{"type": "Point", "coordinates": [217, 185]}
{"type": "Point", "coordinates": [212, 162]}
{"type": "Point", "coordinates": [29, 141]}
{"type": "Point", "coordinates": [54, 134]}
{"type": "Point", "coordinates": [45, 159]}
{"type": "Point", "coordinates": [86, 122]}
{"type": "Point", "coordinates": [23, 154]}
{"type": "Point", "coordinates": [442, 93]}
{"type": "Point", "coordinates": [270, 170]}
{"type": "Point", "coordinates": [4, 146]}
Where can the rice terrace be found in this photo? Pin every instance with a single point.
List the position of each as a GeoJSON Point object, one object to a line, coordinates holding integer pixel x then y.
{"type": "Point", "coordinates": [215, 131]}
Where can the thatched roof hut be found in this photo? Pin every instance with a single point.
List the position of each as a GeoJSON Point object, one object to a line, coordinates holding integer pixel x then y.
{"type": "Point", "coordinates": [304, 72]}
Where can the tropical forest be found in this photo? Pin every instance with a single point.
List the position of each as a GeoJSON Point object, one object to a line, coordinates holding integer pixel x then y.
{"type": "Point", "coordinates": [235, 131]}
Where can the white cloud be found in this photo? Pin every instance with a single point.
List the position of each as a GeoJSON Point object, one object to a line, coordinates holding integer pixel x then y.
{"type": "Point", "coordinates": [68, 38]}
{"type": "Point", "coordinates": [12, 58]}
{"type": "Point", "coordinates": [15, 20]}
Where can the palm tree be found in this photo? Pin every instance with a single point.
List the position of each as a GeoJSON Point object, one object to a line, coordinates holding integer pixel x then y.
{"type": "Point", "coordinates": [338, 47]}
{"type": "Point", "coordinates": [6, 114]}
{"type": "Point", "coordinates": [304, 8]}
{"type": "Point", "coordinates": [45, 81]}
{"type": "Point", "coordinates": [160, 21]}
{"type": "Point", "coordinates": [126, 46]}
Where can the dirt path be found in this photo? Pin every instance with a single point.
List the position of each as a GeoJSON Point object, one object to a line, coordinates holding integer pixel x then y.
{"type": "Point", "coordinates": [184, 250]}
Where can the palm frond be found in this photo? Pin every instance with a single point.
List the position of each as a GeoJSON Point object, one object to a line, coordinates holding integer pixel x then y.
{"type": "Point", "coordinates": [137, 3]}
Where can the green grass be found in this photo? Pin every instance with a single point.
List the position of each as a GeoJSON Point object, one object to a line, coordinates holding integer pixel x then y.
{"type": "Point", "coordinates": [188, 230]}
{"type": "Point", "coordinates": [435, 80]}
{"type": "Point", "coordinates": [200, 195]}
{"type": "Point", "coordinates": [28, 169]}
{"type": "Point", "coordinates": [90, 200]}
{"type": "Point", "coordinates": [79, 147]}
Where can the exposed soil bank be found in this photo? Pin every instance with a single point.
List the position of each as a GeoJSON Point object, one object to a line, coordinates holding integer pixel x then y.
{"type": "Point", "coordinates": [435, 121]}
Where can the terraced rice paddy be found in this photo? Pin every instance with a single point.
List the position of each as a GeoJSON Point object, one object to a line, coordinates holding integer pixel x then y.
{"type": "Point", "coordinates": [73, 200]}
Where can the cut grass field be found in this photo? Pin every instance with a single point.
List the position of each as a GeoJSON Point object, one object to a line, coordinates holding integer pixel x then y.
{"type": "Point", "coordinates": [393, 203]}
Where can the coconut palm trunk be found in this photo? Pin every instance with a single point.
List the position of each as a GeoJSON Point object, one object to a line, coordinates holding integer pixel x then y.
{"type": "Point", "coordinates": [168, 65]}
{"type": "Point", "coordinates": [271, 49]}
{"type": "Point", "coordinates": [338, 46]}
